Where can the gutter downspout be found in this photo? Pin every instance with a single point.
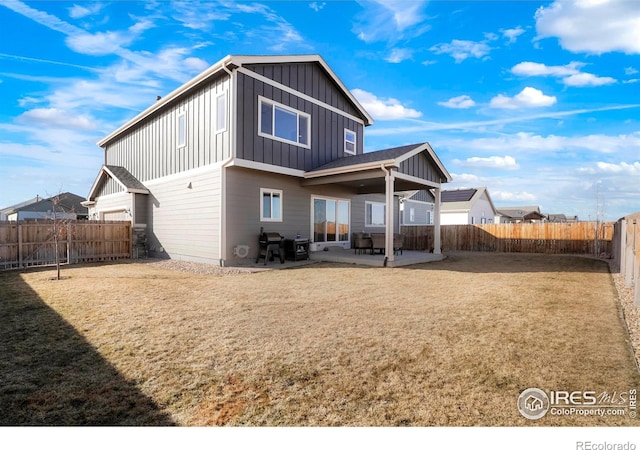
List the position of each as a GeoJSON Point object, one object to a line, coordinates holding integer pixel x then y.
{"type": "Point", "coordinates": [223, 168]}
{"type": "Point", "coordinates": [389, 180]}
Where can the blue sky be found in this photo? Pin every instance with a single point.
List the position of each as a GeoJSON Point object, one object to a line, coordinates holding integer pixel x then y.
{"type": "Point", "coordinates": [536, 100]}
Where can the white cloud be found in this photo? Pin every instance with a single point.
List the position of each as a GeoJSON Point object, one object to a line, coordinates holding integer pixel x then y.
{"type": "Point", "coordinates": [587, 79]}
{"type": "Point", "coordinates": [622, 168]}
{"type": "Point", "coordinates": [592, 26]}
{"type": "Point", "coordinates": [465, 178]}
{"type": "Point", "coordinates": [459, 102]}
{"type": "Point", "coordinates": [492, 162]}
{"type": "Point", "coordinates": [527, 98]}
{"type": "Point", "coordinates": [317, 6]}
{"type": "Point", "coordinates": [530, 69]}
{"type": "Point", "coordinates": [398, 55]}
{"type": "Point", "coordinates": [384, 109]}
{"type": "Point", "coordinates": [461, 50]}
{"type": "Point", "coordinates": [52, 117]}
{"type": "Point", "coordinates": [569, 73]}
{"type": "Point", "coordinates": [89, 9]}
{"type": "Point", "coordinates": [508, 196]}
{"type": "Point", "coordinates": [630, 71]}
{"type": "Point", "coordinates": [511, 34]}
{"type": "Point", "coordinates": [390, 20]}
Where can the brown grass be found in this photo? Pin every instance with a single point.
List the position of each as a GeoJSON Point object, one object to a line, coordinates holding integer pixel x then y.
{"type": "Point", "coordinates": [448, 343]}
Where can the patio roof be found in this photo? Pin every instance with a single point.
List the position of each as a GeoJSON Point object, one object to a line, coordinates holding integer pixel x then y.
{"type": "Point", "coordinates": [365, 173]}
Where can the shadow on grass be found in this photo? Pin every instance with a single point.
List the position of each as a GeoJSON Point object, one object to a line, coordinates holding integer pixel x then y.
{"type": "Point", "coordinates": [51, 376]}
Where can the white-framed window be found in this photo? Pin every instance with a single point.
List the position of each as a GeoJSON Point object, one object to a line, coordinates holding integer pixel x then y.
{"type": "Point", "coordinates": [270, 205]}
{"type": "Point", "coordinates": [282, 123]}
{"type": "Point", "coordinates": [182, 129]}
{"type": "Point", "coordinates": [221, 112]}
{"type": "Point", "coordinates": [374, 214]}
{"type": "Point", "coordinates": [331, 219]}
{"type": "Point", "coordinates": [349, 141]}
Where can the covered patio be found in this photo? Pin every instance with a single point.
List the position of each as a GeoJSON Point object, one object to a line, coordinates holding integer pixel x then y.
{"type": "Point", "coordinates": [412, 167]}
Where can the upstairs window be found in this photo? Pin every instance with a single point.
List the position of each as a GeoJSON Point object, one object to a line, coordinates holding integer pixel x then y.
{"type": "Point", "coordinates": [282, 123]}
{"type": "Point", "coordinates": [349, 142]}
{"type": "Point", "coordinates": [182, 129]}
{"type": "Point", "coordinates": [221, 112]}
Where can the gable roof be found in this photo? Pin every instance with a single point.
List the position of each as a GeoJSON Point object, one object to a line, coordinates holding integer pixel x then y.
{"type": "Point", "coordinates": [122, 176]}
{"type": "Point", "coordinates": [518, 212]}
{"type": "Point", "coordinates": [66, 202]}
{"type": "Point", "coordinates": [224, 65]}
{"type": "Point", "coordinates": [389, 157]}
{"type": "Point", "coordinates": [464, 199]}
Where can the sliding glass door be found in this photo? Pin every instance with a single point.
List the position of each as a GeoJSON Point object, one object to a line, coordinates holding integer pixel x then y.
{"type": "Point", "coordinates": [330, 219]}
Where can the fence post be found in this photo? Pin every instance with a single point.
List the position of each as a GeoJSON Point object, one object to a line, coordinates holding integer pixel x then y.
{"type": "Point", "coordinates": [19, 245]}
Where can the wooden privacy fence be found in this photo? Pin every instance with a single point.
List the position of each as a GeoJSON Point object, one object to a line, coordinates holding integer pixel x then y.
{"type": "Point", "coordinates": [32, 243]}
{"type": "Point", "coordinates": [626, 252]}
{"type": "Point", "coordinates": [592, 238]}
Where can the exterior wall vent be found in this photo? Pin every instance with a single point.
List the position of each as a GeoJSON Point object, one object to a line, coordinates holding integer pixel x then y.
{"type": "Point", "coordinates": [241, 251]}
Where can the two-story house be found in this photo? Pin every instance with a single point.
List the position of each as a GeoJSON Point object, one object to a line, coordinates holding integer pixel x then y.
{"type": "Point", "coordinates": [255, 141]}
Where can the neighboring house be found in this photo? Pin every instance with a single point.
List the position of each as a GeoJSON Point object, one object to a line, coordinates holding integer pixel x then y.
{"type": "Point", "coordinates": [521, 214]}
{"type": "Point", "coordinates": [467, 207]}
{"type": "Point", "coordinates": [416, 208]}
{"type": "Point", "coordinates": [65, 205]}
{"type": "Point", "coordinates": [5, 211]}
{"type": "Point", "coordinates": [273, 142]}
{"type": "Point", "coordinates": [561, 218]}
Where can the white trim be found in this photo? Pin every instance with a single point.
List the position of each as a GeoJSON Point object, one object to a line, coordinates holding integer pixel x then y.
{"type": "Point", "coordinates": [306, 97]}
{"type": "Point", "coordinates": [404, 176]}
{"type": "Point", "coordinates": [248, 164]}
{"type": "Point", "coordinates": [182, 116]}
{"type": "Point", "coordinates": [187, 173]}
{"type": "Point", "coordinates": [274, 104]}
{"type": "Point", "coordinates": [270, 191]}
{"type": "Point", "coordinates": [355, 142]}
{"type": "Point", "coordinates": [384, 204]}
{"type": "Point", "coordinates": [317, 245]}
{"type": "Point", "coordinates": [351, 168]}
{"type": "Point", "coordinates": [224, 110]}
{"type": "Point", "coordinates": [221, 65]}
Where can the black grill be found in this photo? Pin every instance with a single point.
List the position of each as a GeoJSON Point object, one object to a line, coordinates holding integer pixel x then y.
{"type": "Point", "coordinates": [270, 244]}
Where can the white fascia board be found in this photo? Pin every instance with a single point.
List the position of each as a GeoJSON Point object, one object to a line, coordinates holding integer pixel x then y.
{"type": "Point", "coordinates": [389, 163]}
{"type": "Point", "coordinates": [247, 164]}
{"type": "Point", "coordinates": [298, 94]}
{"type": "Point", "coordinates": [404, 176]}
{"type": "Point", "coordinates": [239, 60]}
{"type": "Point", "coordinates": [167, 98]}
{"type": "Point", "coordinates": [421, 148]}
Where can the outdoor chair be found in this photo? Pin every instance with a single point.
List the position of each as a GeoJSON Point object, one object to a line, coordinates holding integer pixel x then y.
{"type": "Point", "coordinates": [361, 242]}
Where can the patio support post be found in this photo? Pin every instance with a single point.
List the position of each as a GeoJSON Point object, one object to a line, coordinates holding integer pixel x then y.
{"type": "Point", "coordinates": [389, 187]}
{"type": "Point", "coordinates": [437, 247]}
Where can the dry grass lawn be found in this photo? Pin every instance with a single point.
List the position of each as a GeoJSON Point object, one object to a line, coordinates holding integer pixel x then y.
{"type": "Point", "coordinates": [448, 343]}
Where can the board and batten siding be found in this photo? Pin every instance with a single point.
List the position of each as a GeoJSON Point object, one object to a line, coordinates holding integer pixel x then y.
{"type": "Point", "coordinates": [108, 187]}
{"type": "Point", "coordinates": [184, 215]}
{"type": "Point", "coordinates": [150, 150]}
{"type": "Point", "coordinates": [327, 126]}
{"type": "Point", "coordinates": [419, 166]}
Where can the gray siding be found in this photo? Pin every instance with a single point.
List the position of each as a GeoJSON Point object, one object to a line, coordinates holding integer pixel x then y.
{"type": "Point", "coordinates": [150, 150]}
{"type": "Point", "coordinates": [308, 78]}
{"type": "Point", "coordinates": [419, 166]}
{"type": "Point", "coordinates": [420, 210]}
{"type": "Point", "coordinates": [109, 186]}
{"type": "Point", "coordinates": [183, 220]}
{"type": "Point", "coordinates": [243, 206]}
{"type": "Point", "coordinates": [358, 213]}
{"type": "Point", "coordinates": [423, 196]}
{"type": "Point", "coordinates": [327, 127]}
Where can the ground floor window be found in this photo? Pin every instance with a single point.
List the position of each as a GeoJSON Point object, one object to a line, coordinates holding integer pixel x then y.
{"type": "Point", "coordinates": [270, 205]}
{"type": "Point", "coordinates": [375, 214]}
{"type": "Point", "coordinates": [330, 219]}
